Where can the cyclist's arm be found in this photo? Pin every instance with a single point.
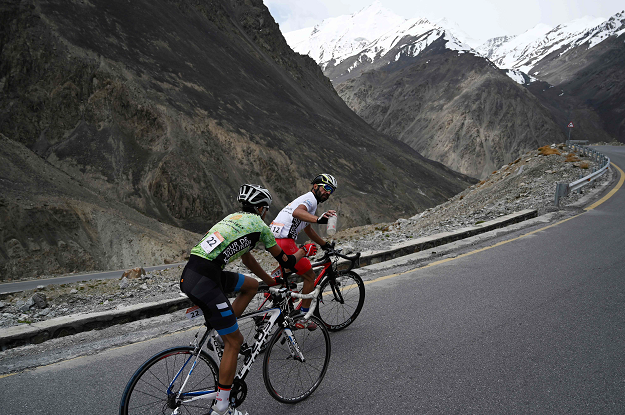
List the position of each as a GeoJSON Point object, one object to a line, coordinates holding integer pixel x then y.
{"type": "Point", "coordinates": [250, 262]}
{"type": "Point", "coordinates": [314, 236]}
{"type": "Point", "coordinates": [275, 251]}
{"type": "Point", "coordinates": [302, 214]}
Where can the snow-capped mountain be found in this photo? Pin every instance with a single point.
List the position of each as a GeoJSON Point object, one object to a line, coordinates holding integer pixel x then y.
{"type": "Point", "coordinates": [369, 34]}
{"type": "Point", "coordinates": [340, 37]}
{"type": "Point", "coordinates": [523, 52]}
{"type": "Point", "coordinates": [426, 83]}
{"type": "Point", "coordinates": [458, 33]}
{"type": "Point", "coordinates": [505, 49]}
{"type": "Point", "coordinates": [373, 36]}
{"type": "Point", "coordinates": [408, 39]}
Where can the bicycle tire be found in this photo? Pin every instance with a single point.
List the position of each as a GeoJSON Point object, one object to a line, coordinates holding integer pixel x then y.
{"type": "Point", "coordinates": [334, 314]}
{"type": "Point", "coordinates": [289, 380]}
{"type": "Point", "coordinates": [146, 392]}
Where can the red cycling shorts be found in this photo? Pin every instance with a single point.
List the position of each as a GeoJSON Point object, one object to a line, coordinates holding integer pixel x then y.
{"type": "Point", "coordinates": [289, 247]}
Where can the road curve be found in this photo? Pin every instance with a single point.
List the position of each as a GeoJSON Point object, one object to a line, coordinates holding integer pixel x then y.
{"type": "Point", "coordinates": [530, 324]}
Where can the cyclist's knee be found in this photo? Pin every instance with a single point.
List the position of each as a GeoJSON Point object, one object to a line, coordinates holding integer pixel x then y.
{"type": "Point", "coordinates": [308, 276]}
{"type": "Point", "coordinates": [234, 339]}
{"type": "Point", "coordinates": [249, 286]}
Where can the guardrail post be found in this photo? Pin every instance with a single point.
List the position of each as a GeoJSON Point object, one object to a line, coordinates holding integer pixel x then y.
{"type": "Point", "coordinates": [579, 191]}
{"type": "Point", "coordinates": [562, 190]}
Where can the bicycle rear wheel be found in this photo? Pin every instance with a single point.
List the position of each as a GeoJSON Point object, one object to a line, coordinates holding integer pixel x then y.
{"type": "Point", "coordinates": [288, 378]}
{"type": "Point", "coordinates": [340, 300]}
{"type": "Point", "coordinates": [146, 392]}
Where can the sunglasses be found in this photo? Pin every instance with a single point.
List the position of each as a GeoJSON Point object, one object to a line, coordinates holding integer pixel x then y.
{"type": "Point", "coordinates": [328, 188]}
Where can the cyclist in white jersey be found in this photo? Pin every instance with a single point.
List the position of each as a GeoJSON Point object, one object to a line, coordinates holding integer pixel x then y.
{"type": "Point", "coordinates": [297, 216]}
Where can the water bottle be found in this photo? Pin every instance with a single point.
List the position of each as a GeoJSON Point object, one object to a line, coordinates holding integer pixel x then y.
{"type": "Point", "coordinates": [331, 225]}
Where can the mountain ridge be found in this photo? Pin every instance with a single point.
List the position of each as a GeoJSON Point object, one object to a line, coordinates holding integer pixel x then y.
{"type": "Point", "coordinates": [547, 112]}
{"type": "Point", "coordinates": [160, 110]}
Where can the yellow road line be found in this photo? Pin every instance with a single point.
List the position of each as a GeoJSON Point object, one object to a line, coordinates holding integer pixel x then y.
{"type": "Point", "coordinates": [609, 195]}
{"type": "Point", "coordinates": [442, 261]}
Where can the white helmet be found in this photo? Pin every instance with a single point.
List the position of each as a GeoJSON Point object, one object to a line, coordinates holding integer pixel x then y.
{"type": "Point", "coordinates": [325, 178]}
{"type": "Point", "coordinates": [255, 195]}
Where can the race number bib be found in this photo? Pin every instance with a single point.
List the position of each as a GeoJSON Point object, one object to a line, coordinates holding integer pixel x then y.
{"type": "Point", "coordinates": [194, 312]}
{"type": "Point", "coordinates": [212, 242]}
{"type": "Point", "coordinates": [277, 273]}
{"type": "Point", "coordinates": [276, 228]}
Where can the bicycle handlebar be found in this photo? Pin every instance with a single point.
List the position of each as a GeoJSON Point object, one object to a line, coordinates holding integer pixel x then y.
{"type": "Point", "coordinates": [285, 292]}
{"type": "Point", "coordinates": [330, 252]}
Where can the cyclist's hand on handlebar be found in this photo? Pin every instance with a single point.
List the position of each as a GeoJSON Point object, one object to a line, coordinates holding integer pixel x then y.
{"type": "Point", "coordinates": [327, 246]}
{"type": "Point", "coordinates": [310, 249]}
{"type": "Point", "coordinates": [278, 281]}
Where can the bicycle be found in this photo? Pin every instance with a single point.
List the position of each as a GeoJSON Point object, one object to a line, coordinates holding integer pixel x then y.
{"type": "Point", "coordinates": [344, 290]}
{"type": "Point", "coordinates": [183, 380]}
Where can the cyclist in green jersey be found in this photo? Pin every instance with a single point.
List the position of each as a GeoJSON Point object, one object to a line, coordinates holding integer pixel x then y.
{"type": "Point", "coordinates": [206, 284]}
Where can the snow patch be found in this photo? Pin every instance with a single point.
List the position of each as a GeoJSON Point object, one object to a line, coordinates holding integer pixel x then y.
{"type": "Point", "coordinates": [519, 77]}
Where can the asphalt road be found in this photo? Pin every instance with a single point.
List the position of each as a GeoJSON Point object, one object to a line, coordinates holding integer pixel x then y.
{"type": "Point", "coordinates": [531, 324]}
{"type": "Point", "coordinates": [10, 287]}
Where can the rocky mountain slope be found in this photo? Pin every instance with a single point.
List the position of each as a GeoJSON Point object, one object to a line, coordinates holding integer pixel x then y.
{"type": "Point", "coordinates": [51, 223]}
{"type": "Point", "coordinates": [526, 183]}
{"type": "Point", "coordinates": [590, 81]}
{"type": "Point", "coordinates": [463, 113]}
{"type": "Point", "coordinates": [420, 84]}
{"type": "Point", "coordinates": [579, 66]}
{"type": "Point", "coordinates": [156, 112]}
{"type": "Point", "coordinates": [452, 107]}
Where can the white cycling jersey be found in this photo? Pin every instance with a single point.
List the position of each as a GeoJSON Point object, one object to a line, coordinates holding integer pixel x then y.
{"type": "Point", "coordinates": [285, 225]}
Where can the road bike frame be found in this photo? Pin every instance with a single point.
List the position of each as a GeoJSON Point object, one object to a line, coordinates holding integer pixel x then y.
{"type": "Point", "coordinates": [269, 317]}
{"type": "Point", "coordinates": [331, 274]}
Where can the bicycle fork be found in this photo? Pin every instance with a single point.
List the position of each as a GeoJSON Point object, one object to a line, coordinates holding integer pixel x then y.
{"type": "Point", "coordinates": [296, 352]}
{"type": "Point", "coordinates": [336, 291]}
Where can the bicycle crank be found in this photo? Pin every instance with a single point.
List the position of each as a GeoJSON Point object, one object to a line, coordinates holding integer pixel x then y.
{"type": "Point", "coordinates": [238, 392]}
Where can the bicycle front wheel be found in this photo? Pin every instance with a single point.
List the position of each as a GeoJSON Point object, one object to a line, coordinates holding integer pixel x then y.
{"type": "Point", "coordinates": [340, 300]}
{"type": "Point", "coordinates": [294, 367]}
{"type": "Point", "coordinates": [146, 392]}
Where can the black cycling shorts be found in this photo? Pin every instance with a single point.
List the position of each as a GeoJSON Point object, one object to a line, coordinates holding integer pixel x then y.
{"type": "Point", "coordinates": [205, 284]}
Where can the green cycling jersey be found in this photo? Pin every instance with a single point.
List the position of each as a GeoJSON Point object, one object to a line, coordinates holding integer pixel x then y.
{"type": "Point", "coordinates": [232, 237]}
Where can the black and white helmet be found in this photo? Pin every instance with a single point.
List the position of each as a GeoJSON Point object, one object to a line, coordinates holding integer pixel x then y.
{"type": "Point", "coordinates": [325, 178]}
{"type": "Point", "coordinates": [255, 195]}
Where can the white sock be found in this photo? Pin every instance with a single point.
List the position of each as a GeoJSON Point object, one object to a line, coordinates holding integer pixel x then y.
{"type": "Point", "coordinates": [223, 399]}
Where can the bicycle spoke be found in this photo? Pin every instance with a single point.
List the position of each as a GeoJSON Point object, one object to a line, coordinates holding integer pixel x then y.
{"type": "Point", "coordinates": [288, 378]}
{"type": "Point", "coordinates": [343, 298]}
{"type": "Point", "coordinates": [146, 392]}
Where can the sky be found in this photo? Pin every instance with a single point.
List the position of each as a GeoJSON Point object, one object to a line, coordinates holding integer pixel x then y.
{"type": "Point", "coordinates": [480, 19]}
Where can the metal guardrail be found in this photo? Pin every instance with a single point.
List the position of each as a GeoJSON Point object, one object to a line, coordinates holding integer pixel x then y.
{"type": "Point", "coordinates": [564, 189]}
